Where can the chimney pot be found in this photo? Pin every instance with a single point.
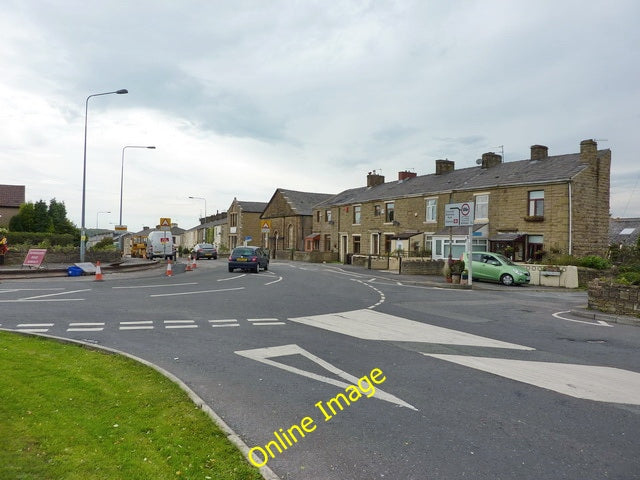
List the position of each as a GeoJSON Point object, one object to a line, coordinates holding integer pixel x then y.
{"type": "Point", "coordinates": [373, 179]}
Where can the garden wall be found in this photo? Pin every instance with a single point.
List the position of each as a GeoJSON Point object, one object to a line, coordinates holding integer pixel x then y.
{"type": "Point", "coordinates": [16, 258]}
{"type": "Point", "coordinates": [610, 297]}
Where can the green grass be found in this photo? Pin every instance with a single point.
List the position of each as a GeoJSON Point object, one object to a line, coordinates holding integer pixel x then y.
{"type": "Point", "coordinates": [67, 412]}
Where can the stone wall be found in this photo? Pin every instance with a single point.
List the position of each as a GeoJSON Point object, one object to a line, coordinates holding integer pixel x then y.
{"type": "Point", "coordinates": [16, 258]}
{"type": "Point", "coordinates": [610, 297]}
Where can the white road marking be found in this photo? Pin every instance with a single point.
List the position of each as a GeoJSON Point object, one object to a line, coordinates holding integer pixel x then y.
{"type": "Point", "coordinates": [590, 382]}
{"type": "Point", "coordinates": [268, 323]}
{"type": "Point", "coordinates": [262, 319]}
{"type": "Point", "coordinates": [600, 323]}
{"type": "Point", "coordinates": [180, 324]}
{"type": "Point", "coordinates": [158, 286]}
{"type": "Point", "coordinates": [226, 325]}
{"type": "Point", "coordinates": [223, 321]}
{"type": "Point", "coordinates": [197, 292]}
{"type": "Point", "coordinates": [86, 327]}
{"type": "Point", "coordinates": [372, 325]}
{"type": "Point", "coordinates": [263, 355]}
{"type": "Point", "coordinates": [33, 330]}
{"type": "Point", "coordinates": [231, 278]}
{"type": "Point", "coordinates": [137, 325]}
{"type": "Point", "coordinates": [275, 281]}
{"type": "Point", "coordinates": [86, 324]}
{"type": "Point", "coordinates": [227, 322]}
{"type": "Point", "coordinates": [29, 325]}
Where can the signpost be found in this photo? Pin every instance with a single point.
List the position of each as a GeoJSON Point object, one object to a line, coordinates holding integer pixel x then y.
{"type": "Point", "coordinates": [165, 224]}
{"type": "Point", "coordinates": [462, 215]}
{"type": "Point", "coordinates": [265, 226]}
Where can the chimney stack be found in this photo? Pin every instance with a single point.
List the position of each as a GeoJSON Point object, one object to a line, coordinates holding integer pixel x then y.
{"type": "Point", "coordinates": [445, 166]}
{"type": "Point", "coordinates": [373, 179]}
{"type": "Point", "coordinates": [491, 159]}
{"type": "Point", "coordinates": [406, 175]}
{"type": "Point", "coordinates": [539, 152]}
{"type": "Point", "coordinates": [588, 151]}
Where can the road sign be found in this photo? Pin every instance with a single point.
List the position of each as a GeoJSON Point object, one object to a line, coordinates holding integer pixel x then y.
{"type": "Point", "coordinates": [265, 226]}
{"type": "Point", "coordinates": [34, 257]}
{"type": "Point", "coordinates": [458, 214]}
{"type": "Point", "coordinates": [165, 224]}
{"type": "Point", "coordinates": [121, 228]}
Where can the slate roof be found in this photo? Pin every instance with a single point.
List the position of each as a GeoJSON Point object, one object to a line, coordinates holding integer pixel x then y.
{"type": "Point", "coordinates": [252, 207]}
{"type": "Point", "coordinates": [303, 202]}
{"type": "Point", "coordinates": [552, 169]}
{"type": "Point", "coordinates": [11, 195]}
{"type": "Point", "coordinates": [624, 231]}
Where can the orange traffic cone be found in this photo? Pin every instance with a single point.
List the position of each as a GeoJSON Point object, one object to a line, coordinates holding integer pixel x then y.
{"type": "Point", "coordinates": [98, 273]}
{"type": "Point", "coordinates": [169, 271]}
{"type": "Point", "coordinates": [195, 265]}
{"type": "Point", "coordinates": [189, 265]}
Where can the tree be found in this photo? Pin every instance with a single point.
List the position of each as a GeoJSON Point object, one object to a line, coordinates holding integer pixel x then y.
{"type": "Point", "coordinates": [24, 220]}
{"type": "Point", "coordinates": [58, 214]}
{"type": "Point", "coordinates": [41, 221]}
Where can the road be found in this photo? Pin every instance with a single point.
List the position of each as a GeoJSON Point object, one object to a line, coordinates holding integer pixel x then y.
{"type": "Point", "coordinates": [482, 384]}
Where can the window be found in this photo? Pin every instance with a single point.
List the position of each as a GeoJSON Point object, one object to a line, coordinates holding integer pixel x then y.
{"type": "Point", "coordinates": [327, 215]}
{"type": "Point", "coordinates": [387, 243]}
{"type": "Point", "coordinates": [327, 243]}
{"type": "Point", "coordinates": [318, 216]}
{"type": "Point", "coordinates": [388, 212]}
{"type": "Point", "coordinates": [356, 244]}
{"type": "Point", "coordinates": [233, 220]}
{"type": "Point", "coordinates": [535, 244]}
{"type": "Point", "coordinates": [377, 211]}
{"type": "Point", "coordinates": [356, 214]}
{"type": "Point", "coordinates": [432, 210]}
{"type": "Point", "coordinates": [536, 203]}
{"type": "Point", "coordinates": [291, 240]}
{"type": "Point", "coordinates": [482, 207]}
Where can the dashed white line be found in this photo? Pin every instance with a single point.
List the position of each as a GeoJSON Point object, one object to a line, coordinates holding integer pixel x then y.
{"type": "Point", "coordinates": [227, 322]}
{"type": "Point", "coordinates": [139, 325]}
{"type": "Point", "coordinates": [194, 293]}
{"type": "Point", "coordinates": [86, 327]}
{"type": "Point", "coordinates": [180, 324]}
{"type": "Point", "coordinates": [265, 321]}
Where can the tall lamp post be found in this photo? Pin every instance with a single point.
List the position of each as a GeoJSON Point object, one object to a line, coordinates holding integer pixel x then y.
{"type": "Point", "coordinates": [83, 239]}
{"type": "Point", "coordinates": [151, 147]}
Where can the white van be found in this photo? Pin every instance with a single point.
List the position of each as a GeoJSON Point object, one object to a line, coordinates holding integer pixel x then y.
{"type": "Point", "coordinates": [160, 244]}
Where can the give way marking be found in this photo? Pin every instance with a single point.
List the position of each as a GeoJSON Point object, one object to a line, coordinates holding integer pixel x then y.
{"type": "Point", "coordinates": [264, 355]}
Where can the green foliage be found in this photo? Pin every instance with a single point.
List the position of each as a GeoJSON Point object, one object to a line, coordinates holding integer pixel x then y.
{"type": "Point", "coordinates": [106, 244]}
{"type": "Point", "coordinates": [34, 239]}
{"type": "Point", "coordinates": [41, 218]}
{"type": "Point", "coordinates": [629, 278]}
{"type": "Point", "coordinates": [594, 261]}
{"type": "Point", "coordinates": [457, 267]}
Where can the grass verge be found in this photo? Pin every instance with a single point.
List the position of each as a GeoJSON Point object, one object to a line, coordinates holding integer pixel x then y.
{"type": "Point", "coordinates": [67, 412]}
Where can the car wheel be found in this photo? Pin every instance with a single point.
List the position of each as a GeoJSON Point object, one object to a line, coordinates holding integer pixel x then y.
{"type": "Point", "coordinates": [506, 279]}
{"type": "Point", "coordinates": [266, 266]}
{"type": "Point", "coordinates": [256, 269]}
{"type": "Point", "coordinates": [230, 269]}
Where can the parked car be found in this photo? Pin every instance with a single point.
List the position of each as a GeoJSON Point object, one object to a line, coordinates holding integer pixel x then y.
{"type": "Point", "coordinates": [494, 267]}
{"type": "Point", "coordinates": [204, 250]}
{"type": "Point", "coordinates": [249, 258]}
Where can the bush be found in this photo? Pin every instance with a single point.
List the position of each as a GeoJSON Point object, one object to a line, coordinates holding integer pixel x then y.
{"type": "Point", "coordinates": [629, 278]}
{"type": "Point", "coordinates": [594, 261]}
{"type": "Point", "coordinates": [105, 245]}
{"type": "Point", "coordinates": [38, 238]}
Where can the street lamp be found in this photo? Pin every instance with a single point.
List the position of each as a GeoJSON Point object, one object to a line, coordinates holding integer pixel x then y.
{"type": "Point", "coordinates": [151, 147]}
{"type": "Point", "coordinates": [97, 214]}
{"type": "Point", "coordinates": [83, 240]}
{"type": "Point", "coordinates": [205, 205]}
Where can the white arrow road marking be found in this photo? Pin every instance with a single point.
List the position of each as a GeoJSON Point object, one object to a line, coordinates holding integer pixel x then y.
{"type": "Point", "coordinates": [264, 354]}
{"type": "Point", "coordinates": [600, 323]}
{"type": "Point", "coordinates": [602, 384]}
{"type": "Point", "coordinates": [372, 325]}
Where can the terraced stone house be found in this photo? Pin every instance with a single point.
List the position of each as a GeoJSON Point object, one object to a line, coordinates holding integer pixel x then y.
{"type": "Point", "coordinates": [523, 208]}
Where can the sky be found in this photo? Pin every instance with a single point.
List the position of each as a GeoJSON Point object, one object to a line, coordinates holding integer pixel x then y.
{"type": "Point", "coordinates": [241, 98]}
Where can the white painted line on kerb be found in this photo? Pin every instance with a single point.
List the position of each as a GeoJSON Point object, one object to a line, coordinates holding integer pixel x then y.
{"type": "Point", "coordinates": [600, 323]}
{"type": "Point", "coordinates": [195, 293]}
{"type": "Point", "coordinates": [589, 382]}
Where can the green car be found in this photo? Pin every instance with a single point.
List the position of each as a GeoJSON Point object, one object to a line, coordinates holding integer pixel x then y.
{"type": "Point", "coordinates": [494, 267]}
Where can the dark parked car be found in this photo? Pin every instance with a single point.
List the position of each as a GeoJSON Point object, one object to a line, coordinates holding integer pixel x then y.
{"type": "Point", "coordinates": [249, 258]}
{"type": "Point", "coordinates": [204, 250]}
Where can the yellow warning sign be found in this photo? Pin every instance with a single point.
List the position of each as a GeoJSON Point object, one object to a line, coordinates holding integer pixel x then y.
{"type": "Point", "coordinates": [165, 223]}
{"type": "Point", "coordinates": [265, 225]}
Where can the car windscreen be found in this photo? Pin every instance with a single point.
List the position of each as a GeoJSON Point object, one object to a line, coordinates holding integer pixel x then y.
{"type": "Point", "coordinates": [504, 259]}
